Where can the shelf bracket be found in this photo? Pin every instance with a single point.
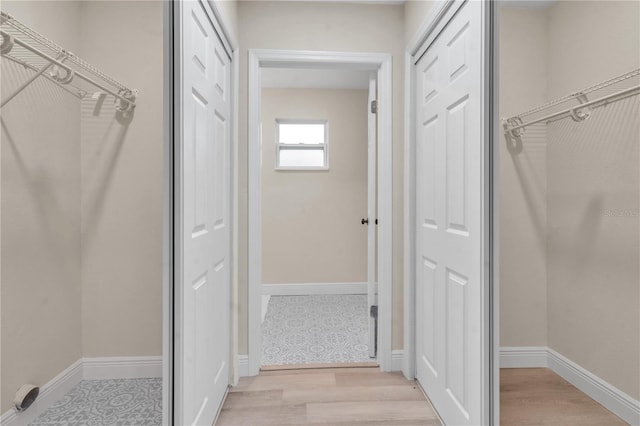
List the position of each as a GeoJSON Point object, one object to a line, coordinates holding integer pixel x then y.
{"type": "Point", "coordinates": [7, 44]}
{"type": "Point", "coordinates": [512, 126]}
{"type": "Point", "coordinates": [580, 113]}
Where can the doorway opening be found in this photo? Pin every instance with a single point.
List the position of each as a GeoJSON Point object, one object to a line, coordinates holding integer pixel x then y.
{"type": "Point", "coordinates": [319, 209]}
{"type": "Point", "coordinates": [319, 196]}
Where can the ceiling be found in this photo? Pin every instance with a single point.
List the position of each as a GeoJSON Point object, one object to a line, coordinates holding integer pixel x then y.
{"type": "Point", "coordinates": [314, 78]}
{"type": "Point", "coordinates": [391, 2]}
{"type": "Point", "coordinates": [527, 4]}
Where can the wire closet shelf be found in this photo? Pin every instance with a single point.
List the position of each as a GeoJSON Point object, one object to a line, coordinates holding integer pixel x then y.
{"type": "Point", "coordinates": [578, 106]}
{"type": "Point", "coordinates": [35, 52]}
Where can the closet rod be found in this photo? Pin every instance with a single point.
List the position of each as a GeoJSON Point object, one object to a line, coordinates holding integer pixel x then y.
{"type": "Point", "coordinates": [70, 72]}
{"type": "Point", "coordinates": [575, 111]}
{"type": "Point", "coordinates": [14, 24]}
{"type": "Point", "coordinates": [25, 84]}
{"type": "Point", "coordinates": [80, 94]}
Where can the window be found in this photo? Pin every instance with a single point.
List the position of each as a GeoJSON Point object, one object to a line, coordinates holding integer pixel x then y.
{"type": "Point", "coordinates": [302, 145]}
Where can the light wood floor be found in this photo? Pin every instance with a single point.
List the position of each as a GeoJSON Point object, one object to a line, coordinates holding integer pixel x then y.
{"type": "Point", "coordinates": [538, 396]}
{"type": "Point", "coordinates": [366, 396]}
{"type": "Point", "coordinates": [336, 396]}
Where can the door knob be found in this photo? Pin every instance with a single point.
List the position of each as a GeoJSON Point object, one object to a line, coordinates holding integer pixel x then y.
{"type": "Point", "coordinates": [364, 221]}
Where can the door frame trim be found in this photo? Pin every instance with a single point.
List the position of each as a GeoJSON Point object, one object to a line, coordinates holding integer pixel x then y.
{"type": "Point", "coordinates": [382, 63]}
{"type": "Point", "coordinates": [168, 259]}
{"type": "Point", "coordinates": [372, 193]}
{"type": "Point", "coordinates": [434, 23]}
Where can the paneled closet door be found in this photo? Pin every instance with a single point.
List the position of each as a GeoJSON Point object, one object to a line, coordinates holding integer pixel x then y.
{"type": "Point", "coordinates": [449, 220]}
{"type": "Point", "coordinates": [203, 314]}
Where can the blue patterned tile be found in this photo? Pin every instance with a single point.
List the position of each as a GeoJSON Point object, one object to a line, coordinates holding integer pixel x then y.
{"type": "Point", "coordinates": [315, 329]}
{"type": "Point", "coordinates": [126, 402]}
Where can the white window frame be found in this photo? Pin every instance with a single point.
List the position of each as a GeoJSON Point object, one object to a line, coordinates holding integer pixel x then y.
{"type": "Point", "coordinates": [279, 145]}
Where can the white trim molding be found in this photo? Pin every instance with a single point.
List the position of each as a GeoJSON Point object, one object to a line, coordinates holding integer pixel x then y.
{"type": "Point", "coordinates": [134, 367]}
{"type": "Point", "coordinates": [523, 357]}
{"type": "Point", "coordinates": [50, 392]}
{"type": "Point", "coordinates": [305, 289]}
{"type": "Point", "coordinates": [610, 397]}
{"type": "Point", "coordinates": [409, 320]}
{"type": "Point", "coordinates": [397, 359]}
{"type": "Point", "coordinates": [243, 365]}
{"type": "Point", "coordinates": [376, 62]}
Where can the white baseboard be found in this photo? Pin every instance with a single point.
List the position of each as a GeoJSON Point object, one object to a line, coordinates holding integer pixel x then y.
{"type": "Point", "coordinates": [523, 357]}
{"type": "Point", "coordinates": [314, 288]}
{"type": "Point", "coordinates": [610, 397]}
{"type": "Point", "coordinates": [84, 369]}
{"type": "Point", "coordinates": [135, 367]}
{"type": "Point", "coordinates": [243, 365]}
{"type": "Point", "coordinates": [397, 359]}
{"type": "Point", "coordinates": [616, 401]}
{"type": "Point", "coordinates": [50, 392]}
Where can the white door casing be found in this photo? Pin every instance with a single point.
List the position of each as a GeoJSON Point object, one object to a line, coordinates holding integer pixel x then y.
{"type": "Point", "coordinates": [449, 254]}
{"type": "Point", "coordinates": [202, 342]}
{"type": "Point", "coordinates": [380, 63]}
{"type": "Point", "coordinates": [372, 214]}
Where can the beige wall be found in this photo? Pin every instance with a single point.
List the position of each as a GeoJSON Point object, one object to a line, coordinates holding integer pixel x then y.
{"type": "Point", "coordinates": [523, 181]}
{"type": "Point", "coordinates": [338, 27]}
{"type": "Point", "coordinates": [82, 199]}
{"type": "Point", "coordinates": [229, 11]}
{"type": "Point", "coordinates": [593, 276]}
{"type": "Point", "coordinates": [311, 230]}
{"type": "Point", "coordinates": [415, 12]}
{"type": "Point", "coordinates": [40, 180]}
{"type": "Point", "coordinates": [122, 185]}
{"type": "Point", "coordinates": [585, 175]}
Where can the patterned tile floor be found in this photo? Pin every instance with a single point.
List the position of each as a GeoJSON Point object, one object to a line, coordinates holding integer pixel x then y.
{"type": "Point", "coordinates": [126, 402]}
{"type": "Point", "coordinates": [315, 329]}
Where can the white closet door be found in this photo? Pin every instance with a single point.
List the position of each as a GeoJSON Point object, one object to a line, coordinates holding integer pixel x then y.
{"type": "Point", "coordinates": [203, 317]}
{"type": "Point", "coordinates": [449, 215]}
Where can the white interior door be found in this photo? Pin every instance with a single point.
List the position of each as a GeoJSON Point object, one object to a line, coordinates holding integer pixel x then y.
{"type": "Point", "coordinates": [203, 315]}
{"type": "Point", "coordinates": [449, 220]}
{"type": "Point", "coordinates": [372, 202]}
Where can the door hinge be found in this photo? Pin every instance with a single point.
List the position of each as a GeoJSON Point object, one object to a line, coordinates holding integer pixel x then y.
{"type": "Point", "coordinates": [373, 311]}
{"type": "Point", "coordinates": [374, 107]}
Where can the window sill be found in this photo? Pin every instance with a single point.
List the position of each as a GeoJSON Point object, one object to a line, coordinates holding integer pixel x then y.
{"type": "Point", "coordinates": [301, 169]}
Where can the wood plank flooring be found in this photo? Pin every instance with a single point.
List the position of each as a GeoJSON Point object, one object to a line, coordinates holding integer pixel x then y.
{"type": "Point", "coordinates": [366, 396]}
{"type": "Point", "coordinates": [538, 396]}
{"type": "Point", "coordinates": [335, 396]}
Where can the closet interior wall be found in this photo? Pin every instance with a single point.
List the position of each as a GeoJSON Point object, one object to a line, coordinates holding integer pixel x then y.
{"type": "Point", "coordinates": [40, 283]}
{"type": "Point", "coordinates": [82, 198]}
{"type": "Point", "coordinates": [593, 180]}
{"type": "Point", "coordinates": [570, 222]}
{"type": "Point", "coordinates": [122, 177]}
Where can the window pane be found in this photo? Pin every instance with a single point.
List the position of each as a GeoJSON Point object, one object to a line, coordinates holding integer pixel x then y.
{"type": "Point", "coordinates": [301, 157]}
{"type": "Point", "coordinates": [309, 134]}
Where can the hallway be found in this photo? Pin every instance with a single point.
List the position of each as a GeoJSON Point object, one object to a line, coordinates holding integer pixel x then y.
{"type": "Point", "coordinates": [353, 396]}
